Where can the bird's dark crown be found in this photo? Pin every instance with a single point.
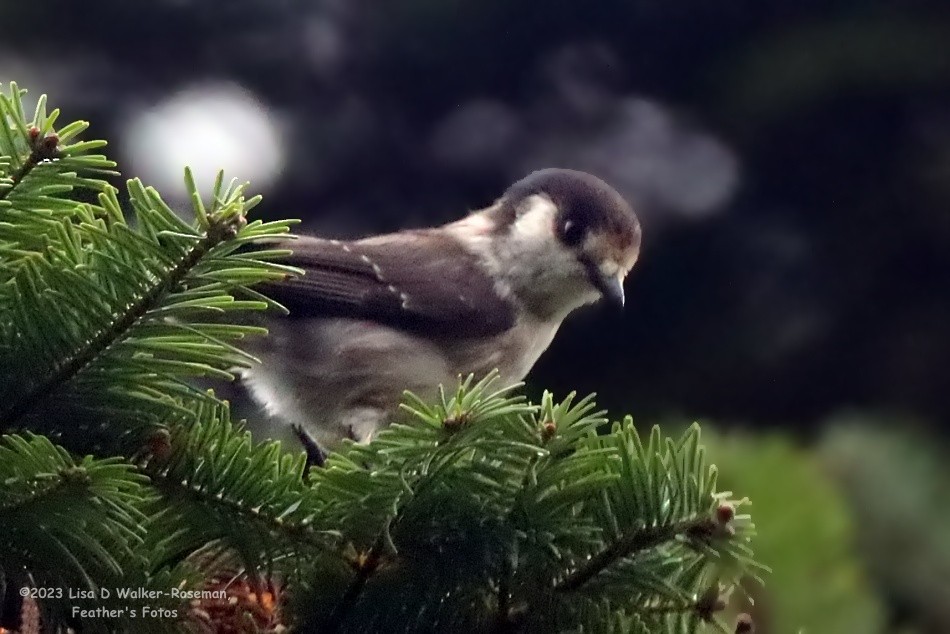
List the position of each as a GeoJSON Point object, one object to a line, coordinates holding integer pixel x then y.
{"type": "Point", "coordinates": [585, 203]}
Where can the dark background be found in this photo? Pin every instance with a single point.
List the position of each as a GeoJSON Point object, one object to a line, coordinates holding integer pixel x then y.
{"type": "Point", "coordinates": [790, 161]}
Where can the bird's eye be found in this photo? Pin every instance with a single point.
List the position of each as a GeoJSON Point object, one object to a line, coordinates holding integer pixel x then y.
{"type": "Point", "coordinates": [571, 233]}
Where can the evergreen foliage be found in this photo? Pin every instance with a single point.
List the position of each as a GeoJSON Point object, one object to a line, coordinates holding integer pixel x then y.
{"type": "Point", "coordinates": [481, 511]}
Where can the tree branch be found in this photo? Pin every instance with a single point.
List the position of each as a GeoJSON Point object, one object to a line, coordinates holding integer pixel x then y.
{"type": "Point", "coordinates": [364, 571]}
{"type": "Point", "coordinates": [42, 149]}
{"type": "Point", "coordinates": [503, 620]}
{"type": "Point", "coordinates": [119, 328]}
{"type": "Point", "coordinates": [44, 485]}
{"type": "Point", "coordinates": [636, 541]}
{"type": "Point", "coordinates": [370, 563]}
{"type": "Point", "coordinates": [296, 532]}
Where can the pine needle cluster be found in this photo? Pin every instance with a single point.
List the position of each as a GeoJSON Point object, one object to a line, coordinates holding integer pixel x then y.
{"type": "Point", "coordinates": [479, 512]}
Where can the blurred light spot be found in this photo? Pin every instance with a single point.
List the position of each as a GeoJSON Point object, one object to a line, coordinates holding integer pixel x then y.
{"type": "Point", "coordinates": [475, 134]}
{"type": "Point", "coordinates": [209, 127]}
{"type": "Point", "coordinates": [644, 152]}
{"type": "Point", "coordinates": [582, 77]}
{"type": "Point", "coordinates": [680, 170]}
{"type": "Point", "coordinates": [324, 45]}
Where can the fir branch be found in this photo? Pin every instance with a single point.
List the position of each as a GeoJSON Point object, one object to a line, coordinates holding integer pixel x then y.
{"type": "Point", "coordinates": [368, 564]}
{"type": "Point", "coordinates": [217, 486]}
{"type": "Point", "coordinates": [42, 149]}
{"type": "Point", "coordinates": [669, 607]}
{"type": "Point", "coordinates": [637, 541]}
{"type": "Point", "coordinates": [365, 569]}
{"type": "Point", "coordinates": [217, 233]}
{"type": "Point", "coordinates": [705, 606]}
{"type": "Point", "coordinates": [503, 619]}
{"type": "Point", "coordinates": [54, 507]}
{"type": "Point", "coordinates": [40, 485]}
{"type": "Point", "coordinates": [300, 533]}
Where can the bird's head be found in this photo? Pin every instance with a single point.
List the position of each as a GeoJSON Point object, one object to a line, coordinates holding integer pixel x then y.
{"type": "Point", "coordinates": [567, 238]}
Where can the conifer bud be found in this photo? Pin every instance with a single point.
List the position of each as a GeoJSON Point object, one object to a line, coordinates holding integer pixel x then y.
{"type": "Point", "coordinates": [456, 422]}
{"type": "Point", "coordinates": [50, 144]}
{"type": "Point", "coordinates": [159, 444]}
{"type": "Point", "coordinates": [745, 624]}
{"type": "Point", "coordinates": [42, 147]}
{"type": "Point", "coordinates": [725, 513]}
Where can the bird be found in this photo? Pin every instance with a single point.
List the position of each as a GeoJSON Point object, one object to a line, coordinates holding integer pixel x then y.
{"type": "Point", "coordinates": [419, 308]}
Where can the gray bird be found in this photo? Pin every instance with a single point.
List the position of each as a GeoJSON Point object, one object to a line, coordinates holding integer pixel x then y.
{"type": "Point", "coordinates": [418, 308]}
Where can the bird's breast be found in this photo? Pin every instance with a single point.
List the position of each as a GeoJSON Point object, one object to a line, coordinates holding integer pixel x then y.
{"type": "Point", "coordinates": [513, 353]}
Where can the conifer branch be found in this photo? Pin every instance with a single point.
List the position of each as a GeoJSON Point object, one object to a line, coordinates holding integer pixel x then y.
{"type": "Point", "coordinates": [669, 607]}
{"type": "Point", "coordinates": [637, 541]}
{"type": "Point", "coordinates": [705, 606]}
{"type": "Point", "coordinates": [503, 620]}
{"type": "Point", "coordinates": [367, 566]}
{"type": "Point", "coordinates": [295, 532]}
{"type": "Point", "coordinates": [42, 149]}
{"type": "Point", "coordinates": [41, 485]}
{"type": "Point", "coordinates": [217, 233]}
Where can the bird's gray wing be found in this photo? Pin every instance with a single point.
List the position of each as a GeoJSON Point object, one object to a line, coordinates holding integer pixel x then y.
{"type": "Point", "coordinates": [426, 282]}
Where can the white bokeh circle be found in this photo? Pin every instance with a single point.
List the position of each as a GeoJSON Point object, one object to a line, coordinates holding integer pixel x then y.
{"type": "Point", "coordinates": [208, 127]}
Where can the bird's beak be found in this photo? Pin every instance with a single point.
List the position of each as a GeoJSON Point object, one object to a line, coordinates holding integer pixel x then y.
{"type": "Point", "coordinates": [611, 288]}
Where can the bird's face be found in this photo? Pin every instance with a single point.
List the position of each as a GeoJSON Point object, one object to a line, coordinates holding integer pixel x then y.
{"type": "Point", "coordinates": [606, 254]}
{"type": "Point", "coordinates": [579, 236]}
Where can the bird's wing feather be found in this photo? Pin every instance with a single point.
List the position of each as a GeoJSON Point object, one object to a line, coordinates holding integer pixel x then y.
{"type": "Point", "coordinates": [428, 282]}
